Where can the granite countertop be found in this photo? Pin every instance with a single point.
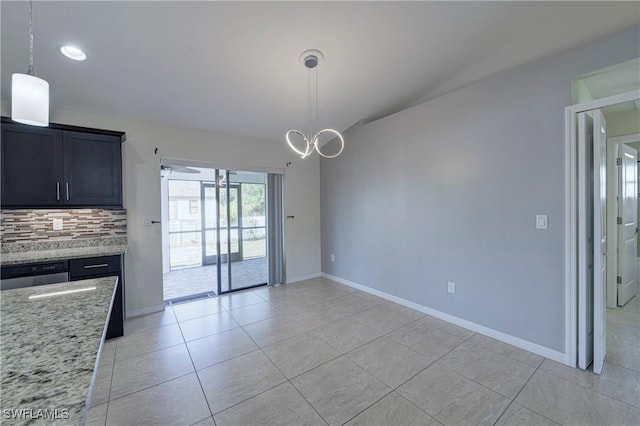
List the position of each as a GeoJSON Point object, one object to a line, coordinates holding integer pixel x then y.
{"type": "Point", "coordinates": [49, 349]}
{"type": "Point", "coordinates": [35, 256]}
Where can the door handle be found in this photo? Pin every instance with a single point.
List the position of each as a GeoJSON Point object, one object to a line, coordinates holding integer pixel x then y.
{"type": "Point", "coordinates": [58, 191]}
{"type": "Point", "coordinates": [101, 265]}
{"type": "Point", "coordinates": [67, 186]}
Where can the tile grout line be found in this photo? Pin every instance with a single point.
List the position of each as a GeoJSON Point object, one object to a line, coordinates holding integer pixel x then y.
{"type": "Point", "coordinates": [150, 352]}
{"type": "Point", "coordinates": [113, 368]}
{"type": "Point", "coordinates": [622, 366]}
{"type": "Point", "coordinates": [480, 384]}
{"type": "Point", "coordinates": [410, 378]}
{"type": "Point", "coordinates": [430, 365]}
{"type": "Point", "coordinates": [507, 356]}
{"type": "Point", "coordinates": [551, 373]}
{"type": "Point", "coordinates": [291, 383]}
{"type": "Point", "coordinates": [470, 379]}
{"type": "Point", "coordinates": [193, 364]}
{"type": "Point", "coordinates": [287, 380]}
{"type": "Point", "coordinates": [513, 400]}
{"type": "Point", "coordinates": [410, 402]}
{"type": "Point", "coordinates": [196, 372]}
{"type": "Point", "coordinates": [392, 389]}
{"type": "Point", "coordinates": [150, 386]}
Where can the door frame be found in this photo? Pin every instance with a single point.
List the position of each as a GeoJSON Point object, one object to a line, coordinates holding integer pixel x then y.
{"type": "Point", "coordinates": [571, 216]}
{"type": "Point", "coordinates": [203, 186]}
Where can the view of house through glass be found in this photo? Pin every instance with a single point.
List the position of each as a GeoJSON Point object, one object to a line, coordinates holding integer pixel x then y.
{"type": "Point", "coordinates": [217, 231]}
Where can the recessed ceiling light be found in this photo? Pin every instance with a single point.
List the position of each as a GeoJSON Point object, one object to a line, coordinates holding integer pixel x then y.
{"type": "Point", "coordinates": [73, 52]}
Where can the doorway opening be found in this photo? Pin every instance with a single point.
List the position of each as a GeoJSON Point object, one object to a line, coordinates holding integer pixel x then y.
{"type": "Point", "coordinates": [603, 221]}
{"type": "Point", "coordinates": [622, 317]}
{"type": "Point", "coordinates": [216, 230]}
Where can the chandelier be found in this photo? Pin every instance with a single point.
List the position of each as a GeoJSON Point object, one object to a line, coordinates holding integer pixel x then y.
{"type": "Point", "coordinates": [30, 94]}
{"type": "Point", "coordinates": [311, 141]}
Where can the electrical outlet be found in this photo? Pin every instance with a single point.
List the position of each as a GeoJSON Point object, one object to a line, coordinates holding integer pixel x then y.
{"type": "Point", "coordinates": [451, 287]}
{"type": "Point", "coordinates": [333, 257]}
{"type": "Point", "coordinates": [57, 223]}
{"type": "Point", "coordinates": [146, 221]}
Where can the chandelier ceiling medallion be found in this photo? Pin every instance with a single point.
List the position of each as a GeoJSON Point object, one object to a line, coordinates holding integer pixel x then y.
{"type": "Point", "coordinates": [30, 94]}
{"type": "Point", "coordinates": [310, 142]}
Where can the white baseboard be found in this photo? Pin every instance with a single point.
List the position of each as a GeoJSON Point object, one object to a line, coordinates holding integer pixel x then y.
{"type": "Point", "coordinates": [498, 335]}
{"type": "Point", "coordinates": [303, 277]}
{"type": "Point", "coordinates": [144, 311]}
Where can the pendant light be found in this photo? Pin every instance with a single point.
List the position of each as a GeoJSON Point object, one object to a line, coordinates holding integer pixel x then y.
{"type": "Point", "coordinates": [30, 94]}
{"type": "Point", "coordinates": [311, 141]}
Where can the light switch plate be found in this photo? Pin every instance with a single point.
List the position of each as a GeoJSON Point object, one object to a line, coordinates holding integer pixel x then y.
{"type": "Point", "coordinates": [542, 221]}
{"type": "Point", "coordinates": [451, 287]}
{"type": "Point", "coordinates": [57, 224]}
{"type": "Point", "coordinates": [146, 221]}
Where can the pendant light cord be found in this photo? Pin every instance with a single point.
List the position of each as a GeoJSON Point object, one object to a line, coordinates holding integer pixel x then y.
{"type": "Point", "coordinates": [309, 115]}
{"type": "Point", "coordinates": [312, 115]}
{"type": "Point", "coordinates": [317, 110]}
{"type": "Point", "coordinates": [31, 39]}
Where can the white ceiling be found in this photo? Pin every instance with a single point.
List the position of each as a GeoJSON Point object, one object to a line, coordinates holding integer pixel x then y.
{"type": "Point", "coordinates": [233, 67]}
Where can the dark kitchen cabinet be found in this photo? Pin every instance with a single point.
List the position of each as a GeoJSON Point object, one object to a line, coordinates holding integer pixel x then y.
{"type": "Point", "coordinates": [104, 266]}
{"type": "Point", "coordinates": [92, 169]}
{"type": "Point", "coordinates": [60, 166]}
{"type": "Point", "coordinates": [32, 172]}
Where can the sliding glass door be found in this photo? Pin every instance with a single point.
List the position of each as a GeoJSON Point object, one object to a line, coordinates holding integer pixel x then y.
{"type": "Point", "coordinates": [219, 230]}
{"type": "Point", "coordinates": [234, 218]}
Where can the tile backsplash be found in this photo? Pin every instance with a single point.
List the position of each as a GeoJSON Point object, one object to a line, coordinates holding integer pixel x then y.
{"type": "Point", "coordinates": [29, 225]}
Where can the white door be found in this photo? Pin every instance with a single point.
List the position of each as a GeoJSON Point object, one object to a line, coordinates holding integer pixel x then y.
{"type": "Point", "coordinates": [628, 228]}
{"type": "Point", "coordinates": [600, 239]}
{"type": "Point", "coordinates": [585, 240]}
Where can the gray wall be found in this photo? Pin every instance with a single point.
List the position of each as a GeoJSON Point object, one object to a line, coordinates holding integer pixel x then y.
{"type": "Point", "coordinates": [448, 191]}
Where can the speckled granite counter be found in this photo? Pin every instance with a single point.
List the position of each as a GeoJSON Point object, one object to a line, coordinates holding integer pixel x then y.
{"type": "Point", "coordinates": [35, 256]}
{"type": "Point", "coordinates": [49, 348]}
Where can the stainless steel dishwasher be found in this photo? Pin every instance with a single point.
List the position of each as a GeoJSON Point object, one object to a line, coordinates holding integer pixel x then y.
{"type": "Point", "coordinates": [20, 276]}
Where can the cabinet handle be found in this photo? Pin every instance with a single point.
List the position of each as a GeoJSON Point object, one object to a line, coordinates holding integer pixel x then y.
{"type": "Point", "coordinates": [58, 191]}
{"type": "Point", "coordinates": [101, 265]}
{"type": "Point", "coordinates": [67, 185]}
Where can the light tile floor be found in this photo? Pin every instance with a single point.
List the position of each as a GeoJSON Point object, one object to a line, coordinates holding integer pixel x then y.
{"type": "Point", "coordinates": [623, 335]}
{"type": "Point", "coordinates": [318, 353]}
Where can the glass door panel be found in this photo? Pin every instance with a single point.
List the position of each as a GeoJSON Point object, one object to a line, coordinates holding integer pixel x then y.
{"type": "Point", "coordinates": [254, 223]}
{"type": "Point", "coordinates": [229, 216]}
{"type": "Point", "coordinates": [249, 268]}
{"type": "Point", "coordinates": [209, 214]}
{"type": "Point", "coordinates": [185, 224]}
{"type": "Point", "coordinates": [224, 211]}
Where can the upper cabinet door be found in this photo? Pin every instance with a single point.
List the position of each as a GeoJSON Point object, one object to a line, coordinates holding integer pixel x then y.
{"type": "Point", "coordinates": [92, 169]}
{"type": "Point", "coordinates": [32, 172]}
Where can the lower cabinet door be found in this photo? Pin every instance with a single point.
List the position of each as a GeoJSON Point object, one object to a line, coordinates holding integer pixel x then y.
{"type": "Point", "coordinates": [98, 267]}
